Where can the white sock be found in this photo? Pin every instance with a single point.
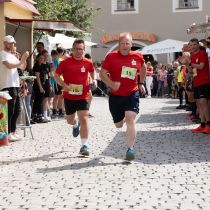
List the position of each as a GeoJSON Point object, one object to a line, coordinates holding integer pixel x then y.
{"type": "Point", "coordinates": [84, 142]}
{"type": "Point", "coordinates": [45, 114]}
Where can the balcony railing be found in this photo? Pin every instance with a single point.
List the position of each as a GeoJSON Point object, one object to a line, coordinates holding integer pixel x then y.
{"type": "Point", "coordinates": [188, 4]}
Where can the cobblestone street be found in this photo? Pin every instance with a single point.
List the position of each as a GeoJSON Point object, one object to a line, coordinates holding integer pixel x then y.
{"type": "Point", "coordinates": [171, 170]}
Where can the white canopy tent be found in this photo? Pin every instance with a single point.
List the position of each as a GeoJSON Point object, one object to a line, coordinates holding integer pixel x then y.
{"type": "Point", "coordinates": [64, 41]}
{"type": "Point", "coordinates": [165, 46]}
{"type": "Point", "coordinates": [168, 46]}
{"type": "Point", "coordinates": [67, 41]}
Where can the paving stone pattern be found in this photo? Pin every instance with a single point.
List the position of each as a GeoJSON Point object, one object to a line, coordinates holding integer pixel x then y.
{"type": "Point", "coordinates": [171, 170]}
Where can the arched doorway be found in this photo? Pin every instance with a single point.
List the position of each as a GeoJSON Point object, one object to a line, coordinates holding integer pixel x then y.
{"type": "Point", "coordinates": [137, 45]}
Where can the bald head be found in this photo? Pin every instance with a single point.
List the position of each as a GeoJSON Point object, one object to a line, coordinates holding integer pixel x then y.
{"type": "Point", "coordinates": [125, 43]}
{"type": "Point", "coordinates": [125, 35]}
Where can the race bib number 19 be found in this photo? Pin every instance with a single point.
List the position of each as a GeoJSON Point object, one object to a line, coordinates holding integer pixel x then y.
{"type": "Point", "coordinates": [128, 72]}
{"type": "Point", "coordinates": [76, 89]}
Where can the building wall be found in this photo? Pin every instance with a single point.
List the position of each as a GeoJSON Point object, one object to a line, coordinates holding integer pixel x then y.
{"type": "Point", "coordinates": [2, 25]}
{"type": "Point", "coordinates": [23, 36]}
{"type": "Point", "coordinates": [158, 17]}
{"type": "Point", "coordinates": [12, 10]}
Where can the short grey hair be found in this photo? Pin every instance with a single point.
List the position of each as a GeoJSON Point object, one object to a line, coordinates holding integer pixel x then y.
{"type": "Point", "coordinates": [126, 34]}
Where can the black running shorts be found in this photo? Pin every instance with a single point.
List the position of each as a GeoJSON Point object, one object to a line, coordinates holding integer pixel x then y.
{"type": "Point", "coordinates": [71, 106]}
{"type": "Point", "coordinates": [202, 91]}
{"type": "Point", "coordinates": [119, 104]}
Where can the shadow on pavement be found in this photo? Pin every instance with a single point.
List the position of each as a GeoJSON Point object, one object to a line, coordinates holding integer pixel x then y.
{"type": "Point", "coordinates": [166, 119]}
{"type": "Point", "coordinates": [33, 159]}
{"type": "Point", "coordinates": [164, 147]}
{"type": "Point", "coordinates": [81, 165]}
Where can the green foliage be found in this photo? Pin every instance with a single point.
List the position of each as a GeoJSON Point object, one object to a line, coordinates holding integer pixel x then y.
{"type": "Point", "coordinates": [76, 11]}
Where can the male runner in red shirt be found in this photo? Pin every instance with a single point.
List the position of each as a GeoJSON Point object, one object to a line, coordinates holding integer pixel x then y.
{"type": "Point", "coordinates": [75, 71]}
{"type": "Point", "coordinates": [201, 84]}
{"type": "Point", "coordinates": [123, 67]}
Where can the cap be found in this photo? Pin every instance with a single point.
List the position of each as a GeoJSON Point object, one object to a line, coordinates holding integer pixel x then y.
{"type": "Point", "coordinates": [9, 39]}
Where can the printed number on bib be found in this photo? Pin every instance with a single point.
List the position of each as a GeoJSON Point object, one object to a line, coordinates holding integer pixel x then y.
{"type": "Point", "coordinates": [76, 89]}
{"type": "Point", "coordinates": [128, 72]}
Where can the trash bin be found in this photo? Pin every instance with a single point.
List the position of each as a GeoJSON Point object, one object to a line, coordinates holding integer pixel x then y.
{"type": "Point", "coordinates": [4, 97]}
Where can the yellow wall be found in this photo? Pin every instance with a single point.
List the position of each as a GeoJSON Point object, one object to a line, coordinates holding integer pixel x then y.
{"type": "Point", "coordinates": [24, 36]}
{"type": "Point", "coordinates": [12, 10]}
{"type": "Point", "coordinates": [2, 25]}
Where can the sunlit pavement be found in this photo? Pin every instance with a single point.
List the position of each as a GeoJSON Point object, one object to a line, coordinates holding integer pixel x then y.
{"type": "Point", "coordinates": [171, 169]}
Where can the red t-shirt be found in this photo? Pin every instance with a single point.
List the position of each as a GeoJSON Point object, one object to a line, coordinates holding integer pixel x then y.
{"type": "Point", "coordinates": [149, 71]}
{"type": "Point", "coordinates": [203, 76]}
{"type": "Point", "coordinates": [124, 69]}
{"type": "Point", "coordinates": [75, 73]}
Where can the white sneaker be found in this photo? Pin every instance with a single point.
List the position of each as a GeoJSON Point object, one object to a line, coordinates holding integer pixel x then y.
{"type": "Point", "coordinates": [148, 96]}
{"type": "Point", "coordinates": [49, 119]}
{"type": "Point", "coordinates": [45, 120]}
{"type": "Point", "coordinates": [12, 137]}
{"type": "Point", "coordinates": [17, 136]}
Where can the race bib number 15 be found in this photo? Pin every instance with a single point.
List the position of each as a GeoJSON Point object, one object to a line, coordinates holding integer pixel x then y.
{"type": "Point", "coordinates": [76, 89]}
{"type": "Point", "coordinates": [128, 72]}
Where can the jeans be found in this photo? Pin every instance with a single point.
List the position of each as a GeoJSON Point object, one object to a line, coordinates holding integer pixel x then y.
{"type": "Point", "coordinates": [28, 105]}
{"type": "Point", "coordinates": [160, 87]}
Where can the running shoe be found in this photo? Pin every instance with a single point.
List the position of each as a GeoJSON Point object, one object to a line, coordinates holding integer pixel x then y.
{"type": "Point", "coordinates": [206, 129]}
{"type": "Point", "coordinates": [84, 151]}
{"type": "Point", "coordinates": [181, 107]}
{"type": "Point", "coordinates": [199, 129]}
{"type": "Point", "coordinates": [130, 154]}
{"type": "Point", "coordinates": [75, 131]}
{"type": "Point", "coordinates": [12, 137]}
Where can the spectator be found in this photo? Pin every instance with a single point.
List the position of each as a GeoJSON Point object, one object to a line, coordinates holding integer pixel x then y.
{"type": "Point", "coordinates": [9, 81]}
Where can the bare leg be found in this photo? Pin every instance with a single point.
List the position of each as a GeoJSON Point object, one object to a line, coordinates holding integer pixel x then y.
{"type": "Point", "coordinates": [131, 128]}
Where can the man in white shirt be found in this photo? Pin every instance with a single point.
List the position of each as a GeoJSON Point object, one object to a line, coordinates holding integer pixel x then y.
{"type": "Point", "coordinates": [9, 81]}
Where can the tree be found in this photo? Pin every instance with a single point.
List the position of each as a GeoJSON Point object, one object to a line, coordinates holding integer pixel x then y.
{"type": "Point", "coordinates": [76, 11]}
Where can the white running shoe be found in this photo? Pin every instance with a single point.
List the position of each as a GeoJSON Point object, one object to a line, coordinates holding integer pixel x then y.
{"type": "Point", "coordinates": [12, 137]}
{"type": "Point", "coordinates": [17, 136]}
{"type": "Point", "coordinates": [49, 119]}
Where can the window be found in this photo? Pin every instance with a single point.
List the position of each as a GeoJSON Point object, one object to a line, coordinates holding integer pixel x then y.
{"type": "Point", "coordinates": [125, 5]}
{"type": "Point", "coordinates": [188, 4]}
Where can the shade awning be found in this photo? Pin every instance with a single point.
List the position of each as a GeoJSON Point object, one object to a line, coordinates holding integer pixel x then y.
{"type": "Point", "coordinates": [46, 25]}
{"type": "Point", "coordinates": [165, 46]}
{"type": "Point", "coordinates": [26, 4]}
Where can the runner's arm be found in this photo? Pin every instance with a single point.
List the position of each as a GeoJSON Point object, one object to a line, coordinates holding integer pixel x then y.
{"type": "Point", "coordinates": [94, 81]}
{"type": "Point", "coordinates": [198, 66]}
{"type": "Point", "coordinates": [93, 75]}
{"type": "Point", "coordinates": [142, 73]}
{"type": "Point", "coordinates": [105, 78]}
{"type": "Point", "coordinates": [58, 79]}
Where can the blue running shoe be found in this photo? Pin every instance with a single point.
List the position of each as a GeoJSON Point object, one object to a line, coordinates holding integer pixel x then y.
{"type": "Point", "coordinates": [75, 131]}
{"type": "Point", "coordinates": [130, 154]}
{"type": "Point", "coordinates": [84, 151]}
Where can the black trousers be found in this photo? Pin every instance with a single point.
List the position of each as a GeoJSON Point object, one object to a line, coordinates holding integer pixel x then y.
{"type": "Point", "coordinates": [13, 108]}
{"type": "Point", "coordinates": [38, 99]}
{"type": "Point", "coordinates": [180, 93]}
